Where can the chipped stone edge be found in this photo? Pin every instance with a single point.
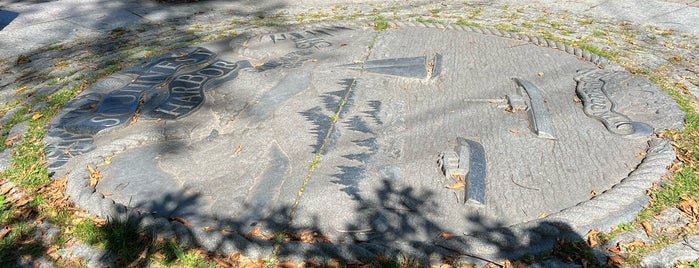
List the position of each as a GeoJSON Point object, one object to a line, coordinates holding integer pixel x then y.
{"type": "Point", "coordinates": [620, 203]}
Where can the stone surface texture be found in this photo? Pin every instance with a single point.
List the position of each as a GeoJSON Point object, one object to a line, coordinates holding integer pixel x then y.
{"type": "Point", "coordinates": [340, 128]}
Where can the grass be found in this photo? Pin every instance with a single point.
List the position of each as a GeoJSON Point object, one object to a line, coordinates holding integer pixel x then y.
{"type": "Point", "coordinates": [136, 248]}
{"type": "Point", "coordinates": [380, 23]}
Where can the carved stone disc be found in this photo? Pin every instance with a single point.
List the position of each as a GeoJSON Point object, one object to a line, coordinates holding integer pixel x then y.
{"type": "Point", "coordinates": [363, 135]}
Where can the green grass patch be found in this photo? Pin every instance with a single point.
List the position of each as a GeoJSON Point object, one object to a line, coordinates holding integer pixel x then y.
{"type": "Point", "coordinates": [380, 24]}
{"type": "Point", "coordinates": [507, 27]}
{"type": "Point", "coordinates": [19, 242]}
{"type": "Point", "coordinates": [55, 46]}
{"type": "Point", "coordinates": [609, 54]}
{"type": "Point", "coordinates": [465, 22]}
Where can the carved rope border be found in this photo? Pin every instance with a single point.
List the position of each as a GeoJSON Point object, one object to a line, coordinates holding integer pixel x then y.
{"type": "Point", "coordinates": [620, 203]}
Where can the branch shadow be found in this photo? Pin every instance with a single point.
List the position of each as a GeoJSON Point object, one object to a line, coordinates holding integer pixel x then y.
{"type": "Point", "coordinates": [398, 221]}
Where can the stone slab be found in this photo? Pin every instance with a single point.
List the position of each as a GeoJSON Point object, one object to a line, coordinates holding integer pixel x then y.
{"type": "Point", "coordinates": [344, 130]}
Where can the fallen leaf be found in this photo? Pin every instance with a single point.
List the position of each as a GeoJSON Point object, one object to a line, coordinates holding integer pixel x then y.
{"type": "Point", "coordinates": [634, 244]}
{"type": "Point", "coordinates": [6, 188]}
{"type": "Point", "coordinates": [21, 202]}
{"type": "Point", "coordinates": [159, 255]}
{"type": "Point", "coordinates": [593, 193]}
{"type": "Point", "coordinates": [457, 185]}
{"type": "Point", "coordinates": [135, 117]}
{"type": "Point", "coordinates": [286, 264]}
{"type": "Point", "coordinates": [543, 215]}
{"type": "Point", "coordinates": [238, 149]}
{"type": "Point", "coordinates": [592, 238]}
{"type": "Point", "coordinates": [226, 231]}
{"type": "Point", "coordinates": [11, 141]}
{"type": "Point", "coordinates": [540, 74]}
{"type": "Point", "coordinates": [514, 131]}
{"type": "Point", "coordinates": [257, 232]}
{"type": "Point", "coordinates": [647, 227]}
{"type": "Point", "coordinates": [445, 235]}
{"type": "Point", "coordinates": [334, 263]}
{"type": "Point", "coordinates": [53, 252]}
{"type": "Point", "coordinates": [615, 250]}
{"type": "Point", "coordinates": [457, 176]}
{"type": "Point", "coordinates": [307, 236]}
{"type": "Point", "coordinates": [37, 116]}
{"type": "Point", "coordinates": [615, 260]}
{"type": "Point", "coordinates": [95, 175]}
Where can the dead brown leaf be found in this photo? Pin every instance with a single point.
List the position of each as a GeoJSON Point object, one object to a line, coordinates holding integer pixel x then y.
{"type": "Point", "coordinates": [53, 252]}
{"type": "Point", "coordinates": [543, 215]}
{"type": "Point", "coordinates": [334, 263]}
{"type": "Point", "coordinates": [615, 250]}
{"type": "Point", "coordinates": [10, 141]}
{"type": "Point", "coordinates": [457, 185]}
{"type": "Point", "coordinates": [615, 260]}
{"type": "Point", "coordinates": [37, 116]}
{"type": "Point", "coordinates": [286, 264]}
{"type": "Point", "coordinates": [159, 255]}
{"type": "Point", "coordinates": [95, 175]}
{"type": "Point", "coordinates": [226, 232]}
{"type": "Point", "coordinates": [445, 235]}
{"type": "Point", "coordinates": [634, 244]}
{"type": "Point", "coordinates": [6, 188]}
{"type": "Point", "coordinates": [257, 232]}
{"type": "Point", "coordinates": [592, 238]}
{"type": "Point", "coordinates": [307, 236]}
{"type": "Point", "coordinates": [647, 227]}
{"type": "Point", "coordinates": [135, 117]}
{"type": "Point", "coordinates": [514, 131]}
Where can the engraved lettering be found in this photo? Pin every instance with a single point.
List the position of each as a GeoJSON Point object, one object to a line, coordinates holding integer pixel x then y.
{"type": "Point", "coordinates": [105, 121]}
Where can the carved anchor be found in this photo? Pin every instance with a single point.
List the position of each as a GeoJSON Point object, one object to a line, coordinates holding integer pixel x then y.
{"type": "Point", "coordinates": [468, 161]}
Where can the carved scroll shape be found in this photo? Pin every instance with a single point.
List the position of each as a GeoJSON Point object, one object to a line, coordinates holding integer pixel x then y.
{"type": "Point", "coordinates": [592, 90]}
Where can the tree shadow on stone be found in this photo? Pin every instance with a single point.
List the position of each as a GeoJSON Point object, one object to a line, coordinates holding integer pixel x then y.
{"type": "Point", "coordinates": [394, 226]}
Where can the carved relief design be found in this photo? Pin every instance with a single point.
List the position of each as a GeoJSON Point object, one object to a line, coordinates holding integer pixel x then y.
{"type": "Point", "coordinates": [593, 89]}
